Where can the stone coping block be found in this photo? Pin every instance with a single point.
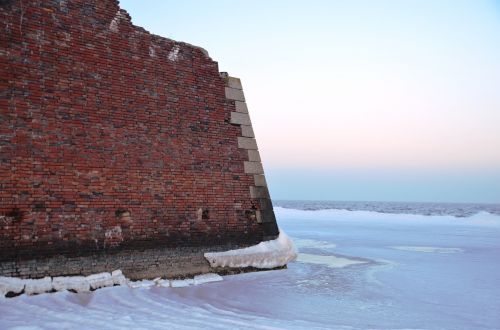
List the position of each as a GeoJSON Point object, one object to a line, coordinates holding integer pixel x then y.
{"type": "Point", "coordinates": [239, 118]}
{"type": "Point", "coordinates": [268, 216]}
{"type": "Point", "coordinates": [253, 168]}
{"type": "Point", "coordinates": [254, 156]}
{"type": "Point", "coordinates": [259, 192]}
{"type": "Point", "coordinates": [241, 107]}
{"type": "Point", "coordinates": [234, 83]}
{"type": "Point", "coordinates": [247, 131]}
{"type": "Point", "coordinates": [260, 180]}
{"type": "Point", "coordinates": [266, 204]}
{"type": "Point", "coordinates": [247, 143]}
{"type": "Point", "coordinates": [258, 216]}
{"type": "Point", "coordinates": [234, 94]}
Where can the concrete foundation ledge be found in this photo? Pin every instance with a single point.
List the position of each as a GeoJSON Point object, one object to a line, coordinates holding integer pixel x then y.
{"type": "Point", "coordinates": [135, 264]}
{"type": "Point", "coordinates": [161, 267]}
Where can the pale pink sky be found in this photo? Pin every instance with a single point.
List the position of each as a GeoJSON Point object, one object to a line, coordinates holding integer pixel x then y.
{"type": "Point", "coordinates": [371, 86]}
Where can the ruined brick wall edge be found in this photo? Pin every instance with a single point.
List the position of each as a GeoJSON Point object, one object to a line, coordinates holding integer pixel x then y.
{"type": "Point", "coordinates": [119, 148]}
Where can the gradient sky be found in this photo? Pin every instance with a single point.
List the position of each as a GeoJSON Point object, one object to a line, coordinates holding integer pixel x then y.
{"type": "Point", "coordinates": [358, 100]}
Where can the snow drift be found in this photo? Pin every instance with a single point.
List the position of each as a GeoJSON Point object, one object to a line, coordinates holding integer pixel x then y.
{"type": "Point", "coordinates": [92, 282]}
{"type": "Point", "coordinates": [61, 283]}
{"type": "Point", "coordinates": [269, 254]}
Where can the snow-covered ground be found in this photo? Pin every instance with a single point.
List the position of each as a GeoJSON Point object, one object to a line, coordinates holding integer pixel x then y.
{"type": "Point", "coordinates": [355, 270]}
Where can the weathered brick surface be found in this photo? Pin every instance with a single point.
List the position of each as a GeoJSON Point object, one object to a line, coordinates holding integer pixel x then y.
{"type": "Point", "coordinates": [112, 140]}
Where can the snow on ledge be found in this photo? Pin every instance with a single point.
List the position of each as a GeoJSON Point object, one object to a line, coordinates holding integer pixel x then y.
{"type": "Point", "coordinates": [80, 284]}
{"type": "Point", "coordinates": [60, 283]}
{"type": "Point", "coordinates": [268, 254]}
{"type": "Point", "coordinates": [207, 278]}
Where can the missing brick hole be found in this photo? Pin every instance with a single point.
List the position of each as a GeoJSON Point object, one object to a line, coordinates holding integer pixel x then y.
{"type": "Point", "coordinates": [121, 212]}
{"type": "Point", "coordinates": [124, 216]}
{"type": "Point", "coordinates": [16, 214]}
{"type": "Point", "coordinates": [205, 215]}
{"type": "Point", "coordinates": [251, 215]}
{"type": "Point", "coordinates": [40, 206]}
{"type": "Point", "coordinates": [12, 216]}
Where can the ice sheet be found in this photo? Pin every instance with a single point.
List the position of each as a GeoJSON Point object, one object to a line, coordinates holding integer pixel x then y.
{"type": "Point", "coordinates": [207, 278]}
{"type": "Point", "coordinates": [181, 283]}
{"type": "Point", "coordinates": [401, 289]}
{"type": "Point", "coordinates": [328, 260]}
{"type": "Point", "coordinates": [428, 249]}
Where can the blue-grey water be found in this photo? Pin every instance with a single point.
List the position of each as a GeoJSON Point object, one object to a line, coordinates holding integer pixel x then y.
{"type": "Point", "coordinates": [384, 266]}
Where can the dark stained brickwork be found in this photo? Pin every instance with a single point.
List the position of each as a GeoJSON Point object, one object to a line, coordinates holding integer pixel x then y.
{"type": "Point", "coordinates": [113, 139]}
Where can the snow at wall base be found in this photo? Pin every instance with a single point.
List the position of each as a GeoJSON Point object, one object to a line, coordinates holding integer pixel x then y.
{"type": "Point", "coordinates": [269, 254]}
{"type": "Point", "coordinates": [12, 286]}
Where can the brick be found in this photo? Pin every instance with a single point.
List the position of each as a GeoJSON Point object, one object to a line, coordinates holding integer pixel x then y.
{"type": "Point", "coordinates": [106, 160]}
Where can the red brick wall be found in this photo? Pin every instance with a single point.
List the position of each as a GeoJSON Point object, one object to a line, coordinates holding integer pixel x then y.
{"type": "Point", "coordinates": [111, 137]}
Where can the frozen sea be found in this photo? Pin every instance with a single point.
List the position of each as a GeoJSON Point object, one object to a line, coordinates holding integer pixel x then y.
{"type": "Point", "coordinates": [385, 266]}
